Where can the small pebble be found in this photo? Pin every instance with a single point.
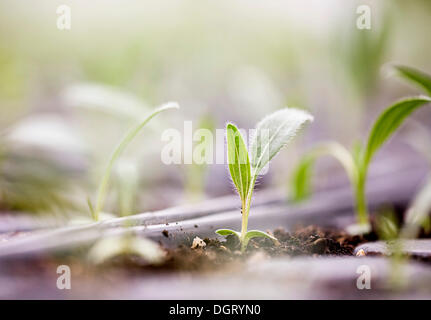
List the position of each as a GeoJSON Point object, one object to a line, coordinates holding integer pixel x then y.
{"type": "Point", "coordinates": [223, 248]}
{"type": "Point", "coordinates": [361, 253]}
{"type": "Point", "coordinates": [198, 243]}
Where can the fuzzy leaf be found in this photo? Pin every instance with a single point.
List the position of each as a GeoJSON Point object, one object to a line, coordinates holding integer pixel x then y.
{"type": "Point", "coordinates": [273, 132]}
{"type": "Point", "coordinates": [419, 78]}
{"type": "Point", "coordinates": [238, 160]}
{"type": "Point", "coordinates": [389, 121]}
{"type": "Point", "coordinates": [227, 232]}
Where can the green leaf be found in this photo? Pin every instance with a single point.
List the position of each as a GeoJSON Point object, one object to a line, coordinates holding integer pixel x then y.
{"type": "Point", "coordinates": [249, 235]}
{"type": "Point", "coordinates": [273, 133]}
{"type": "Point", "coordinates": [119, 150]}
{"type": "Point", "coordinates": [227, 232]}
{"type": "Point", "coordinates": [238, 160]}
{"type": "Point", "coordinates": [258, 234]}
{"type": "Point", "coordinates": [389, 121]}
{"type": "Point", "coordinates": [415, 76]}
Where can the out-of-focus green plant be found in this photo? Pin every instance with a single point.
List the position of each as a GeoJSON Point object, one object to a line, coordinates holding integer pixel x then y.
{"type": "Point", "coordinates": [32, 184]}
{"type": "Point", "coordinates": [12, 79]}
{"type": "Point", "coordinates": [417, 77]}
{"type": "Point", "coordinates": [126, 186]}
{"type": "Point", "coordinates": [272, 134]}
{"type": "Point", "coordinates": [363, 54]}
{"type": "Point", "coordinates": [108, 99]}
{"type": "Point", "coordinates": [104, 99]}
{"type": "Point", "coordinates": [356, 163]}
{"type": "Point", "coordinates": [33, 178]}
{"type": "Point", "coordinates": [418, 213]}
{"type": "Point", "coordinates": [117, 153]}
{"type": "Point", "coordinates": [301, 179]}
{"type": "Point", "coordinates": [387, 226]}
{"type": "Point", "coordinates": [388, 229]}
{"type": "Point", "coordinates": [195, 173]}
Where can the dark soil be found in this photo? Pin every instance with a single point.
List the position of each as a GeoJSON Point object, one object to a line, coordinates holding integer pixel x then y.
{"type": "Point", "coordinates": [311, 241]}
{"type": "Point", "coordinates": [303, 241]}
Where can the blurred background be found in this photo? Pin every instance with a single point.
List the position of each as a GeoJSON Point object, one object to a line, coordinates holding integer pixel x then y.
{"type": "Point", "coordinates": [68, 96]}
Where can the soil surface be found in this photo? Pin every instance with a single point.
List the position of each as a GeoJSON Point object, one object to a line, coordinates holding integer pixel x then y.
{"type": "Point", "coordinates": [216, 254]}
{"type": "Point", "coordinates": [221, 254]}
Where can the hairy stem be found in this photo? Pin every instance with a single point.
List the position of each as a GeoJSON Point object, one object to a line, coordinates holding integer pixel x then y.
{"type": "Point", "coordinates": [245, 213]}
{"type": "Point", "coordinates": [244, 225]}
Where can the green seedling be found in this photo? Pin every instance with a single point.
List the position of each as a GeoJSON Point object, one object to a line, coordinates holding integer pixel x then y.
{"type": "Point", "coordinates": [103, 186]}
{"type": "Point", "coordinates": [356, 163]}
{"type": "Point", "coordinates": [388, 230]}
{"type": "Point", "coordinates": [418, 212]}
{"type": "Point", "coordinates": [362, 54]}
{"type": "Point", "coordinates": [272, 134]}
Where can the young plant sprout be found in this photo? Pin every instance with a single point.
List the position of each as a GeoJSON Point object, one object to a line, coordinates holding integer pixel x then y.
{"type": "Point", "coordinates": [272, 133]}
{"type": "Point", "coordinates": [388, 230]}
{"type": "Point", "coordinates": [356, 164]}
{"type": "Point", "coordinates": [117, 153]}
{"type": "Point", "coordinates": [418, 213]}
